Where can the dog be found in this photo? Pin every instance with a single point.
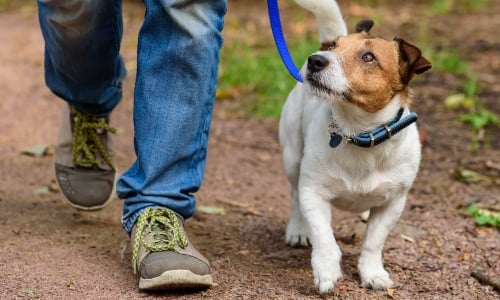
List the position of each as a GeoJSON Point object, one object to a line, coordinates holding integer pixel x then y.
{"type": "Point", "coordinates": [349, 140]}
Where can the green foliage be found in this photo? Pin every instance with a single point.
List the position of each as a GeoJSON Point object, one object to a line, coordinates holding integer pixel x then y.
{"type": "Point", "coordinates": [441, 6]}
{"type": "Point", "coordinates": [448, 61]}
{"type": "Point", "coordinates": [260, 74]}
{"type": "Point", "coordinates": [476, 114]}
{"type": "Point", "coordinates": [447, 6]}
{"type": "Point", "coordinates": [480, 119]}
{"type": "Point", "coordinates": [469, 176]}
{"type": "Point", "coordinates": [483, 217]}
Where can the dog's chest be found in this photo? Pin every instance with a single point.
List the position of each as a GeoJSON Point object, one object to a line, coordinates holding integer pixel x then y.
{"type": "Point", "coordinates": [356, 181]}
{"type": "Point", "coordinates": [359, 195]}
{"type": "Point", "coordinates": [362, 195]}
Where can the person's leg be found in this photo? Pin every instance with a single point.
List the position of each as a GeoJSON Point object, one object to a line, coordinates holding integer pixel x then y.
{"type": "Point", "coordinates": [84, 68]}
{"type": "Point", "coordinates": [82, 44]}
{"type": "Point", "coordinates": [178, 58]}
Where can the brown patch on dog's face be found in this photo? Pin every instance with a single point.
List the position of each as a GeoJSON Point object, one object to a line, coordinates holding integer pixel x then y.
{"type": "Point", "coordinates": [372, 67]}
{"type": "Point", "coordinates": [365, 70]}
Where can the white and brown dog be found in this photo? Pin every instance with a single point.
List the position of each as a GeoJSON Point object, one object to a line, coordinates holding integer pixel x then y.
{"type": "Point", "coordinates": [349, 139]}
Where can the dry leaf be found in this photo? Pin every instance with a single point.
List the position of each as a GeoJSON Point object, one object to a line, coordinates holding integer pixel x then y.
{"type": "Point", "coordinates": [44, 190]}
{"type": "Point", "coordinates": [407, 238]}
{"type": "Point", "coordinates": [36, 151]}
{"type": "Point", "coordinates": [343, 288]}
{"type": "Point", "coordinates": [390, 293]}
{"type": "Point", "coordinates": [212, 210]}
{"type": "Point", "coordinates": [469, 176]}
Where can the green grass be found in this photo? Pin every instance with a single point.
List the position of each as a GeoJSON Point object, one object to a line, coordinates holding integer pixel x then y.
{"type": "Point", "coordinates": [259, 74]}
{"type": "Point", "coordinates": [448, 61]}
{"type": "Point", "coordinates": [447, 6]}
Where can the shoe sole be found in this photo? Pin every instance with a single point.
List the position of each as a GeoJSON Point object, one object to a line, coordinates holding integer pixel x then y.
{"type": "Point", "coordinates": [96, 207]}
{"type": "Point", "coordinates": [90, 208]}
{"type": "Point", "coordinates": [176, 280]}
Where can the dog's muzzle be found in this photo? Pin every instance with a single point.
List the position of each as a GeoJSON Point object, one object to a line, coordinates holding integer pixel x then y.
{"type": "Point", "coordinates": [316, 63]}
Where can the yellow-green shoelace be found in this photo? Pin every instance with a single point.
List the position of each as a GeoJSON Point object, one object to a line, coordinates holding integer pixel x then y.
{"type": "Point", "coordinates": [86, 141]}
{"type": "Point", "coordinates": [166, 229]}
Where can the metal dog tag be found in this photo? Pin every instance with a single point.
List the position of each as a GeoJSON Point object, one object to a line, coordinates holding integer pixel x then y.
{"type": "Point", "coordinates": [335, 140]}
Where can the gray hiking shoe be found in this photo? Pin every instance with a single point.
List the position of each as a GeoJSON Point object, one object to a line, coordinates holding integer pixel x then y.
{"type": "Point", "coordinates": [84, 162]}
{"type": "Point", "coordinates": [162, 255]}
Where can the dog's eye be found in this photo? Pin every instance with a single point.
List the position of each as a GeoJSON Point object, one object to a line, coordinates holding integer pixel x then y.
{"type": "Point", "coordinates": [368, 57]}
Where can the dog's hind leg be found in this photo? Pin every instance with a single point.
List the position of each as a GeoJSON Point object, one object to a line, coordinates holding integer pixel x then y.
{"type": "Point", "coordinates": [297, 231]}
{"type": "Point", "coordinates": [380, 223]}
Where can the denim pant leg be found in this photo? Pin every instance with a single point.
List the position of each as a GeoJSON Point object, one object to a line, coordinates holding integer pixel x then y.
{"type": "Point", "coordinates": [82, 44]}
{"type": "Point", "coordinates": [178, 59]}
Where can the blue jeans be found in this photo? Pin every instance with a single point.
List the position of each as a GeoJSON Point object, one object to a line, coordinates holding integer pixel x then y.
{"type": "Point", "coordinates": [178, 60]}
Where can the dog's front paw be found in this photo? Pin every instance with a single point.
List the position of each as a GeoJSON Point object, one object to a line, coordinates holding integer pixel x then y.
{"type": "Point", "coordinates": [297, 233]}
{"type": "Point", "coordinates": [326, 269]}
{"type": "Point", "coordinates": [325, 279]}
{"type": "Point", "coordinates": [376, 279]}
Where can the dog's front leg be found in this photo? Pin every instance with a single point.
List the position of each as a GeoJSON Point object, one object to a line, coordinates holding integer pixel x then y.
{"type": "Point", "coordinates": [381, 221]}
{"type": "Point", "coordinates": [326, 255]}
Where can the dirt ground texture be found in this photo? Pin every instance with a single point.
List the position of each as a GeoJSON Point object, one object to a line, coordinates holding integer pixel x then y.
{"type": "Point", "coordinates": [50, 251]}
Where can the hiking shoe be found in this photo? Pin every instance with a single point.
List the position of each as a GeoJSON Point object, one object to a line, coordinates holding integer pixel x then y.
{"type": "Point", "coordinates": [162, 255]}
{"type": "Point", "coordinates": [84, 161]}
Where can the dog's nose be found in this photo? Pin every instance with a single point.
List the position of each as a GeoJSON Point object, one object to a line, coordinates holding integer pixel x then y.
{"type": "Point", "coordinates": [316, 63]}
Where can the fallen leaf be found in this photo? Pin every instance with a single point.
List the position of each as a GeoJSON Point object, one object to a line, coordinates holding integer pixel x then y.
{"type": "Point", "coordinates": [243, 252]}
{"type": "Point", "coordinates": [484, 231]}
{"type": "Point", "coordinates": [231, 202]}
{"type": "Point", "coordinates": [36, 151]}
{"type": "Point", "coordinates": [466, 256]}
{"type": "Point", "coordinates": [44, 190]}
{"type": "Point", "coordinates": [469, 176]}
{"type": "Point", "coordinates": [213, 210]}
{"type": "Point", "coordinates": [53, 187]}
{"type": "Point", "coordinates": [408, 232]}
{"type": "Point", "coordinates": [390, 293]}
{"type": "Point", "coordinates": [456, 101]}
{"type": "Point", "coordinates": [493, 165]}
{"type": "Point", "coordinates": [252, 211]}
{"type": "Point", "coordinates": [407, 238]}
{"type": "Point", "coordinates": [27, 292]}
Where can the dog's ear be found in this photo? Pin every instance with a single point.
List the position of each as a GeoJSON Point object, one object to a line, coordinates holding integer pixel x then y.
{"type": "Point", "coordinates": [364, 26]}
{"type": "Point", "coordinates": [411, 60]}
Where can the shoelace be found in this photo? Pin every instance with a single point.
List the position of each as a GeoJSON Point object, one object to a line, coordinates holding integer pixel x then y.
{"type": "Point", "coordinates": [165, 229]}
{"type": "Point", "coordinates": [86, 141]}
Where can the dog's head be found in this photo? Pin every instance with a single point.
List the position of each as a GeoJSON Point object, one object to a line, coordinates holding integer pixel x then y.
{"type": "Point", "coordinates": [364, 70]}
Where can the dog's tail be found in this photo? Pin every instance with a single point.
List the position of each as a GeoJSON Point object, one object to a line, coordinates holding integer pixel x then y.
{"type": "Point", "coordinates": [331, 24]}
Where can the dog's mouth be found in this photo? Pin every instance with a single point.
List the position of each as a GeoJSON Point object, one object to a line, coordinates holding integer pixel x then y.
{"type": "Point", "coordinates": [317, 85]}
{"type": "Point", "coordinates": [321, 90]}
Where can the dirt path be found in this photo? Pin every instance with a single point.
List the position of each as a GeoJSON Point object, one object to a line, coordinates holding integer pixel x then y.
{"type": "Point", "coordinates": [50, 251]}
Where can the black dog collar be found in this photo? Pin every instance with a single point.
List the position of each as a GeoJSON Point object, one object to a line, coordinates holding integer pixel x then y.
{"type": "Point", "coordinates": [376, 136]}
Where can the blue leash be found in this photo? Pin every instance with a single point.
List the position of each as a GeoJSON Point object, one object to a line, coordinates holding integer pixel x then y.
{"type": "Point", "coordinates": [279, 39]}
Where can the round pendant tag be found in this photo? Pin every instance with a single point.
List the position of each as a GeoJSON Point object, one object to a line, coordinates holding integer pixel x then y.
{"type": "Point", "coordinates": [335, 140]}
